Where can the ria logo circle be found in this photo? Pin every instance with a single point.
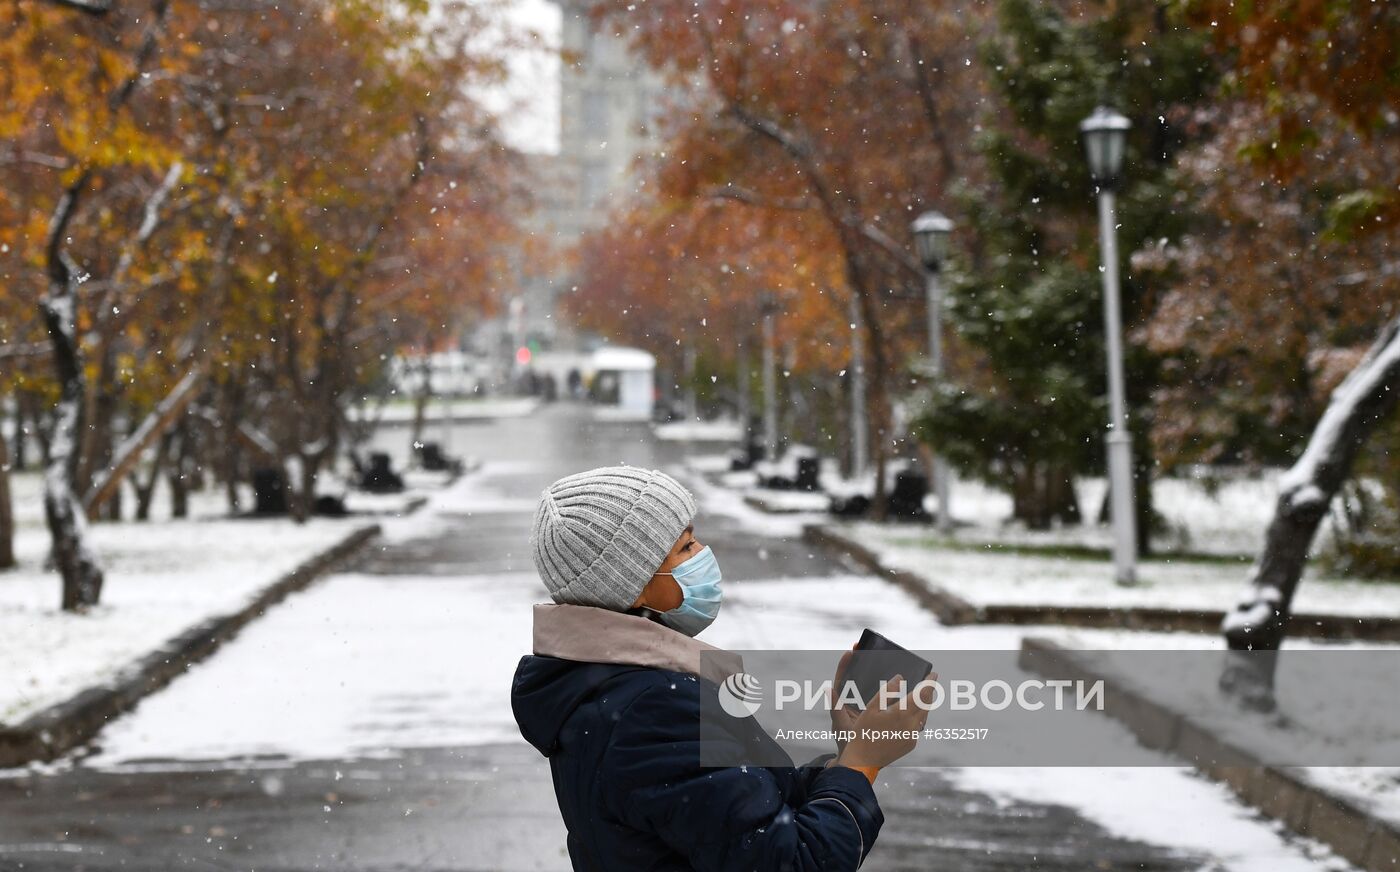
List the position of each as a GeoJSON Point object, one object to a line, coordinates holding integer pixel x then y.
{"type": "Point", "coordinates": [740, 695]}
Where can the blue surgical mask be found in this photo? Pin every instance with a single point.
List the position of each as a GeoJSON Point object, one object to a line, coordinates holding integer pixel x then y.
{"type": "Point", "coordinates": [699, 579]}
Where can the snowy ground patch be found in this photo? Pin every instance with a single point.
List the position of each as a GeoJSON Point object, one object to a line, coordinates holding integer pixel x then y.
{"type": "Point", "coordinates": [783, 501]}
{"type": "Point", "coordinates": [485, 408]}
{"type": "Point", "coordinates": [988, 575]}
{"type": "Point", "coordinates": [162, 578]}
{"type": "Point", "coordinates": [719, 430]}
{"type": "Point", "coordinates": [730, 503]}
{"type": "Point", "coordinates": [1225, 515]}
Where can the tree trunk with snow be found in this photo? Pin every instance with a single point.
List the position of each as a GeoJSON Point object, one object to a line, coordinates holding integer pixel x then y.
{"type": "Point", "coordinates": [1259, 621]}
{"type": "Point", "coordinates": [63, 509]}
{"type": "Point", "coordinates": [64, 512]}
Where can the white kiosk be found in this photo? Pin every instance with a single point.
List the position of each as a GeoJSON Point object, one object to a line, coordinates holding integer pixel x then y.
{"type": "Point", "coordinates": [623, 382]}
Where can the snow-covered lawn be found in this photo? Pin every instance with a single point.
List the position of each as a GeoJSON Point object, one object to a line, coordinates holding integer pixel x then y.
{"type": "Point", "coordinates": [991, 576]}
{"type": "Point", "coordinates": [162, 577]}
{"type": "Point", "coordinates": [161, 580]}
{"type": "Point", "coordinates": [816, 613]}
{"type": "Point", "coordinates": [403, 411]}
{"type": "Point", "coordinates": [721, 430]}
{"type": "Point", "coordinates": [1224, 517]}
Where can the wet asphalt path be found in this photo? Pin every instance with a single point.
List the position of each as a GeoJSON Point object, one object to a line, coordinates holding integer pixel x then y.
{"type": "Point", "coordinates": [486, 807]}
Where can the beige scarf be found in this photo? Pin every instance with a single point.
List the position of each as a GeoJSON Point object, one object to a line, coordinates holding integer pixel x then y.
{"type": "Point", "coordinates": [594, 635]}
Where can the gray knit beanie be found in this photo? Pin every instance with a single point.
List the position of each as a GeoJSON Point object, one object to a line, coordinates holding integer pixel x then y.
{"type": "Point", "coordinates": [600, 535]}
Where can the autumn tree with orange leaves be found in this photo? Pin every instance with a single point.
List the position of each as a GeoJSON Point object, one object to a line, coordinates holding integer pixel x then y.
{"type": "Point", "coordinates": [836, 121]}
{"type": "Point", "coordinates": [216, 214]}
{"type": "Point", "coordinates": [694, 279]}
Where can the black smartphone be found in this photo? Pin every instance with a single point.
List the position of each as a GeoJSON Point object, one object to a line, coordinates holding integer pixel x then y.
{"type": "Point", "coordinates": [877, 660]}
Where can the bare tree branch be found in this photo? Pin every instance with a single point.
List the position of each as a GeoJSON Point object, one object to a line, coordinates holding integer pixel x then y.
{"type": "Point", "coordinates": [90, 7]}
{"type": "Point", "coordinates": [258, 441]}
{"type": "Point", "coordinates": [1389, 269]}
{"type": "Point", "coordinates": [124, 459]}
{"type": "Point", "coordinates": [1259, 620]}
{"type": "Point", "coordinates": [749, 197]}
{"type": "Point", "coordinates": [926, 90]}
{"type": "Point", "coordinates": [898, 253]}
{"type": "Point", "coordinates": [795, 146]}
{"type": "Point", "coordinates": [21, 350]}
{"type": "Point", "coordinates": [52, 161]}
{"type": "Point", "coordinates": [364, 252]}
{"type": "Point", "coordinates": [150, 220]}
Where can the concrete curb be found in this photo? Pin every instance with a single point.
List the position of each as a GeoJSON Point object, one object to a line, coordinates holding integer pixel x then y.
{"type": "Point", "coordinates": [1370, 842]}
{"type": "Point", "coordinates": [949, 608]}
{"type": "Point", "coordinates": [768, 507]}
{"type": "Point", "coordinates": [58, 729]}
{"type": "Point", "coordinates": [952, 609]}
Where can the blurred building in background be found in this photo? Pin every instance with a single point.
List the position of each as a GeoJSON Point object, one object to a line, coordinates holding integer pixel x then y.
{"type": "Point", "coordinates": [609, 103]}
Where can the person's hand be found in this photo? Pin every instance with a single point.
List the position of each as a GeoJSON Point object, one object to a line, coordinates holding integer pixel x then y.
{"type": "Point", "coordinates": [843, 719]}
{"type": "Point", "coordinates": [895, 724]}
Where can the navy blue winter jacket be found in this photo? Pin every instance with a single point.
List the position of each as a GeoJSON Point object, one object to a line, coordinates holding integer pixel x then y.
{"type": "Point", "coordinates": [623, 744]}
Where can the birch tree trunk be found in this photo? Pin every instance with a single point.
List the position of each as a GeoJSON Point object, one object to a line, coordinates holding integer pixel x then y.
{"type": "Point", "coordinates": [1259, 621]}
{"type": "Point", "coordinates": [63, 510]}
{"type": "Point", "coordinates": [67, 521]}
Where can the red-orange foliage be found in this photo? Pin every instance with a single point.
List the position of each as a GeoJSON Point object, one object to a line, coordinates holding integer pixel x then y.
{"type": "Point", "coordinates": [835, 123]}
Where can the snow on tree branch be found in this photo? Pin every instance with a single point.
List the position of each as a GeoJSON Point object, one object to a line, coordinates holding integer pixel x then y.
{"type": "Point", "coordinates": [89, 7]}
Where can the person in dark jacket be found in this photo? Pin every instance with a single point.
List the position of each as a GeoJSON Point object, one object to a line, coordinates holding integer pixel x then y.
{"type": "Point", "coordinates": [611, 695]}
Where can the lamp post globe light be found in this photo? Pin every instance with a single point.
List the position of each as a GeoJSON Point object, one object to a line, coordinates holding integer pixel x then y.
{"type": "Point", "coordinates": [1105, 133]}
{"type": "Point", "coordinates": [932, 231]}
